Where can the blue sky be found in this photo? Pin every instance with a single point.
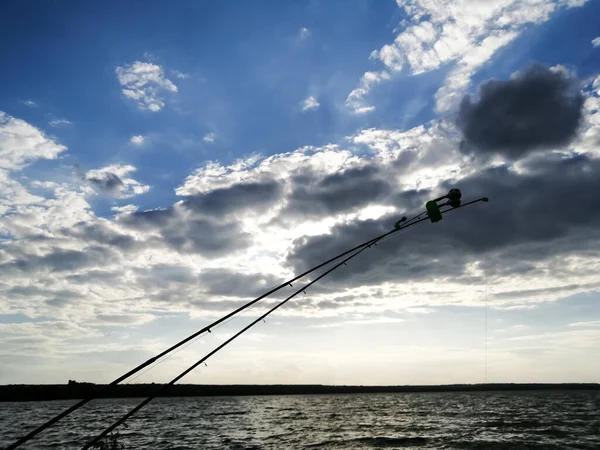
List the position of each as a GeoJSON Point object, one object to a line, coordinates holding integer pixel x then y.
{"type": "Point", "coordinates": [117, 107]}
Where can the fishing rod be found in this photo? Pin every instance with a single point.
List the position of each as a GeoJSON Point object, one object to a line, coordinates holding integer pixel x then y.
{"type": "Point", "coordinates": [207, 329]}
{"type": "Point", "coordinates": [434, 214]}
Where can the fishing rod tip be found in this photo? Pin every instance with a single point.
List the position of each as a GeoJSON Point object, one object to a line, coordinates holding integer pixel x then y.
{"type": "Point", "coordinates": [485, 199]}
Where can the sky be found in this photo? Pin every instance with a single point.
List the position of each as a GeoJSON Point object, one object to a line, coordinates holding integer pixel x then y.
{"type": "Point", "coordinates": [162, 164]}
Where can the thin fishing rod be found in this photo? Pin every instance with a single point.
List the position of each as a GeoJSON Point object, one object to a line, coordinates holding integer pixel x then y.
{"type": "Point", "coordinates": [163, 388]}
{"type": "Point", "coordinates": [204, 358]}
{"type": "Point", "coordinates": [109, 387]}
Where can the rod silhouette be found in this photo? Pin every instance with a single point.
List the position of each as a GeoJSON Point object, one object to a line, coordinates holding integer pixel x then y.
{"type": "Point", "coordinates": [164, 387]}
{"type": "Point", "coordinates": [109, 387]}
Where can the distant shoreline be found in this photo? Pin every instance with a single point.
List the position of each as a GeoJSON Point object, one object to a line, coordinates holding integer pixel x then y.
{"type": "Point", "coordinates": [75, 390]}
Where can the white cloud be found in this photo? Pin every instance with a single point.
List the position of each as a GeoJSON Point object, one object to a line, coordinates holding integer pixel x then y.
{"type": "Point", "coordinates": [113, 180]}
{"type": "Point", "coordinates": [304, 33]}
{"type": "Point", "coordinates": [21, 143]}
{"type": "Point", "coordinates": [137, 140]}
{"type": "Point", "coordinates": [310, 103]}
{"type": "Point", "coordinates": [466, 33]}
{"type": "Point", "coordinates": [59, 122]}
{"type": "Point", "coordinates": [356, 98]}
{"type": "Point", "coordinates": [30, 103]}
{"type": "Point", "coordinates": [596, 42]}
{"type": "Point", "coordinates": [181, 75]}
{"type": "Point", "coordinates": [128, 209]}
{"type": "Point", "coordinates": [209, 137]}
{"type": "Point", "coordinates": [213, 175]}
{"type": "Point", "coordinates": [144, 83]}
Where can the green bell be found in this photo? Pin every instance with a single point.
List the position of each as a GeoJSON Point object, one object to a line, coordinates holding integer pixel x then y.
{"type": "Point", "coordinates": [433, 211]}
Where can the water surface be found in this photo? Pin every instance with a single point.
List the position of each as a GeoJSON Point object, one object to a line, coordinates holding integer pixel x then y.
{"type": "Point", "coordinates": [507, 420]}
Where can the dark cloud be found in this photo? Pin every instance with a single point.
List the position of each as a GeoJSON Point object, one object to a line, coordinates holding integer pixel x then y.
{"type": "Point", "coordinates": [538, 108]}
{"type": "Point", "coordinates": [254, 196]}
{"type": "Point", "coordinates": [196, 225]}
{"type": "Point", "coordinates": [224, 282]}
{"type": "Point", "coordinates": [60, 260]}
{"type": "Point", "coordinates": [100, 234]}
{"type": "Point", "coordinates": [187, 232]}
{"type": "Point", "coordinates": [205, 236]}
{"type": "Point", "coordinates": [106, 182]}
{"type": "Point", "coordinates": [530, 218]}
{"type": "Point", "coordinates": [165, 276]}
{"type": "Point", "coordinates": [105, 277]}
{"type": "Point", "coordinates": [347, 190]}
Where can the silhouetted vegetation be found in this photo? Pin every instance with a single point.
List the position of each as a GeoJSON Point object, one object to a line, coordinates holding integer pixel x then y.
{"type": "Point", "coordinates": [75, 390]}
{"type": "Point", "coordinates": [110, 442]}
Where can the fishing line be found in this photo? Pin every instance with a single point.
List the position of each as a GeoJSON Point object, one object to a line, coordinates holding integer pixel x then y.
{"type": "Point", "coordinates": [164, 387]}
{"type": "Point", "coordinates": [486, 324]}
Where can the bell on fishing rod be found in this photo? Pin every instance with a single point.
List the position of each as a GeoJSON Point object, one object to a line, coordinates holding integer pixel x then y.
{"type": "Point", "coordinates": [433, 211]}
{"type": "Point", "coordinates": [399, 222]}
{"type": "Point", "coordinates": [453, 195]}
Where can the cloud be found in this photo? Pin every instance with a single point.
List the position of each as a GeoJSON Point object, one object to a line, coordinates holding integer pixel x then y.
{"type": "Point", "coordinates": [356, 101]}
{"type": "Point", "coordinates": [596, 42]}
{"type": "Point", "coordinates": [188, 232]}
{"type": "Point", "coordinates": [209, 138]}
{"type": "Point", "coordinates": [137, 140]}
{"type": "Point", "coordinates": [181, 75]}
{"type": "Point", "coordinates": [310, 103]}
{"type": "Point", "coordinates": [593, 323]}
{"type": "Point", "coordinates": [30, 103]}
{"type": "Point", "coordinates": [466, 33]}
{"type": "Point", "coordinates": [59, 123]}
{"type": "Point", "coordinates": [350, 189]}
{"type": "Point", "coordinates": [537, 108]}
{"type": "Point", "coordinates": [253, 196]}
{"type": "Point", "coordinates": [279, 167]}
{"type": "Point", "coordinates": [22, 143]}
{"type": "Point", "coordinates": [113, 181]}
{"type": "Point", "coordinates": [60, 260]}
{"type": "Point", "coordinates": [239, 228]}
{"type": "Point", "coordinates": [144, 83]}
{"type": "Point", "coordinates": [522, 228]}
{"type": "Point", "coordinates": [304, 33]}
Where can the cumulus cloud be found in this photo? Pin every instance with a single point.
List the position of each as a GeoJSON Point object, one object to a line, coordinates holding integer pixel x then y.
{"type": "Point", "coordinates": [137, 140]}
{"type": "Point", "coordinates": [310, 103]}
{"type": "Point", "coordinates": [466, 33]}
{"type": "Point", "coordinates": [596, 42]}
{"type": "Point", "coordinates": [145, 83]}
{"type": "Point", "coordinates": [235, 198]}
{"type": "Point", "coordinates": [185, 231]}
{"type": "Point", "coordinates": [350, 189]}
{"type": "Point", "coordinates": [114, 181]}
{"type": "Point", "coordinates": [537, 108]}
{"type": "Point", "coordinates": [520, 233]}
{"type": "Point", "coordinates": [22, 143]}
